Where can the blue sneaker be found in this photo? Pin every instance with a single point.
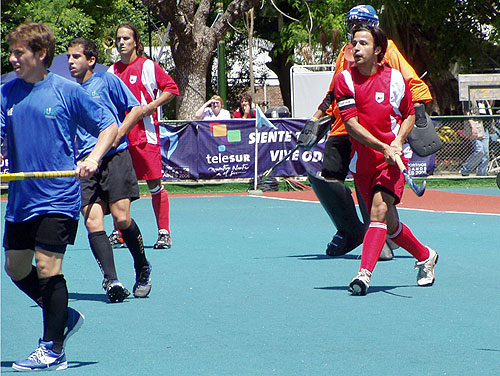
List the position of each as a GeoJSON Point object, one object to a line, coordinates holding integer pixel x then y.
{"type": "Point", "coordinates": [142, 285]}
{"type": "Point", "coordinates": [43, 358]}
{"type": "Point", "coordinates": [73, 324]}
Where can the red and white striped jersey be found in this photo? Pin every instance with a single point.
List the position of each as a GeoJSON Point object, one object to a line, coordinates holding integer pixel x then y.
{"type": "Point", "coordinates": [380, 101]}
{"type": "Point", "coordinates": [147, 80]}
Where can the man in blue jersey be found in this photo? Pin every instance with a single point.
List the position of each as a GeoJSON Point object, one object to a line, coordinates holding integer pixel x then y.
{"type": "Point", "coordinates": [115, 185]}
{"type": "Point", "coordinates": [39, 116]}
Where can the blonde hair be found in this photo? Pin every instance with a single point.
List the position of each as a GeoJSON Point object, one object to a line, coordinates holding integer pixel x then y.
{"type": "Point", "coordinates": [219, 99]}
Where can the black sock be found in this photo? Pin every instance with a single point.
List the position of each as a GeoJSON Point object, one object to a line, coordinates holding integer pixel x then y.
{"type": "Point", "coordinates": [55, 309]}
{"type": "Point", "coordinates": [30, 285]}
{"type": "Point", "coordinates": [103, 253]}
{"type": "Point", "coordinates": [133, 238]}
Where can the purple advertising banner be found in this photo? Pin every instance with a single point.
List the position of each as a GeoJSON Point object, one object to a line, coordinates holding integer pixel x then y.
{"type": "Point", "coordinates": [226, 149]}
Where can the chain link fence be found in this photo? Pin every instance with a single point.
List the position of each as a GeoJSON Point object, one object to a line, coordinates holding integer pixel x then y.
{"type": "Point", "coordinates": [465, 150]}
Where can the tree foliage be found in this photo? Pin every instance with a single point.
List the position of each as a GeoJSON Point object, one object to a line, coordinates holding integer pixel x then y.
{"type": "Point", "coordinates": [444, 38]}
{"type": "Point", "coordinates": [93, 19]}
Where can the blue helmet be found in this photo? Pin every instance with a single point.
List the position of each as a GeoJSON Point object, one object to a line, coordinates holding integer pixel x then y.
{"type": "Point", "coordinates": [363, 13]}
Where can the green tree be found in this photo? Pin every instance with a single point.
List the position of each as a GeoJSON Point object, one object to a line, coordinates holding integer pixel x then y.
{"type": "Point", "coordinates": [301, 33]}
{"type": "Point", "coordinates": [443, 38]}
{"type": "Point", "coordinates": [194, 35]}
{"type": "Point", "coordinates": [69, 19]}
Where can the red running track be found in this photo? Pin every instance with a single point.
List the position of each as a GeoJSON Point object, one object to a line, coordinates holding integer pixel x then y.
{"type": "Point", "coordinates": [433, 200]}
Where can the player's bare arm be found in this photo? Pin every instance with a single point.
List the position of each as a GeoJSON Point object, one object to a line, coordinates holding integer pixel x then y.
{"type": "Point", "coordinates": [404, 131]}
{"type": "Point", "coordinates": [89, 165]}
{"type": "Point", "coordinates": [150, 108]}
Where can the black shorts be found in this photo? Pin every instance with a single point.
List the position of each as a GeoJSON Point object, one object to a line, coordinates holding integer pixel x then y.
{"type": "Point", "coordinates": [51, 232]}
{"type": "Point", "coordinates": [336, 157]}
{"type": "Point", "coordinates": [114, 181]}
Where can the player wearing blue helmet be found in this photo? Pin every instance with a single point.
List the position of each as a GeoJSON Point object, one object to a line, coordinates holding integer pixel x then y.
{"type": "Point", "coordinates": [333, 194]}
{"type": "Point", "coordinates": [363, 13]}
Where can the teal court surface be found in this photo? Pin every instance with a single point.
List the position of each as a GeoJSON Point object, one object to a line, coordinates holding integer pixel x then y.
{"type": "Point", "coordinates": [247, 290]}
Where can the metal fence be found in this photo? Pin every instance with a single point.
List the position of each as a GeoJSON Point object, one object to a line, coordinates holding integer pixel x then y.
{"type": "Point", "coordinates": [459, 145]}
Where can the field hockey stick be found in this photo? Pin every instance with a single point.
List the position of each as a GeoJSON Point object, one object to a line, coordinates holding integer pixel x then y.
{"type": "Point", "coordinates": [419, 191]}
{"type": "Point", "coordinates": [37, 175]}
{"type": "Point", "coordinates": [268, 172]}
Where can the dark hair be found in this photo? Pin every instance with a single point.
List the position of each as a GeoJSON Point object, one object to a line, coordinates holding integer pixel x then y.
{"type": "Point", "coordinates": [248, 97]}
{"type": "Point", "coordinates": [379, 37]}
{"type": "Point", "coordinates": [38, 37]}
{"type": "Point", "coordinates": [139, 48]}
{"type": "Point", "coordinates": [89, 48]}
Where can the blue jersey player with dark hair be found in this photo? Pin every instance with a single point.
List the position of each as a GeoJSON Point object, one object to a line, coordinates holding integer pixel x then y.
{"type": "Point", "coordinates": [114, 186]}
{"type": "Point", "coordinates": [40, 114]}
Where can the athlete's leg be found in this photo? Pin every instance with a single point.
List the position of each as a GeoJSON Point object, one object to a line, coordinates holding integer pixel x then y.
{"type": "Point", "coordinates": [377, 230]}
{"type": "Point", "coordinates": [54, 296]}
{"type": "Point", "coordinates": [120, 210]}
{"type": "Point", "coordinates": [400, 234]}
{"type": "Point", "coordinates": [161, 207]}
{"type": "Point", "coordinates": [337, 201]}
{"type": "Point", "coordinates": [336, 198]}
{"type": "Point", "coordinates": [93, 215]}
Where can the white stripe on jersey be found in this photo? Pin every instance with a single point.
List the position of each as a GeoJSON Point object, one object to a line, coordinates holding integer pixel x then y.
{"type": "Point", "coordinates": [148, 79]}
{"type": "Point", "coordinates": [348, 81]}
{"type": "Point", "coordinates": [353, 162]}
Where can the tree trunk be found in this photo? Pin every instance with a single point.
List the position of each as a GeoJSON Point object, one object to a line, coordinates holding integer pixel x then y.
{"type": "Point", "coordinates": [191, 69]}
{"type": "Point", "coordinates": [281, 66]}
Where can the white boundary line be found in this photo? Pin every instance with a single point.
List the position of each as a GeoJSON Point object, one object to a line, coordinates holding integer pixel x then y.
{"type": "Point", "coordinates": [399, 208]}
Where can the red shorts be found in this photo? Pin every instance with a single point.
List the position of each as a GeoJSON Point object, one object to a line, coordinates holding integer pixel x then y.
{"type": "Point", "coordinates": [146, 159]}
{"type": "Point", "coordinates": [388, 179]}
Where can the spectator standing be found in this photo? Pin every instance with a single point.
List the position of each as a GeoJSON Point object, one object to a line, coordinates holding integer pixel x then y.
{"type": "Point", "coordinates": [477, 131]}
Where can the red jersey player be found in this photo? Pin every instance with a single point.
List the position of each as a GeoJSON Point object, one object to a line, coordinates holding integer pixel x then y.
{"type": "Point", "coordinates": [331, 191]}
{"type": "Point", "coordinates": [376, 107]}
{"type": "Point", "coordinates": [153, 87]}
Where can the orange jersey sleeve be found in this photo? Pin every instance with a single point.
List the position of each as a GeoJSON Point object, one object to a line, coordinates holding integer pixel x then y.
{"type": "Point", "coordinates": [338, 127]}
{"type": "Point", "coordinates": [419, 90]}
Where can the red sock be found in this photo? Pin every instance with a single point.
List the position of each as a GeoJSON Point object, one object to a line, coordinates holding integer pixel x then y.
{"type": "Point", "coordinates": [161, 207]}
{"type": "Point", "coordinates": [405, 238]}
{"type": "Point", "coordinates": [372, 244]}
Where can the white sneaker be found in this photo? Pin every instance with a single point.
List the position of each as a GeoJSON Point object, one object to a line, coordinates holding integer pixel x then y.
{"type": "Point", "coordinates": [360, 283]}
{"type": "Point", "coordinates": [425, 276]}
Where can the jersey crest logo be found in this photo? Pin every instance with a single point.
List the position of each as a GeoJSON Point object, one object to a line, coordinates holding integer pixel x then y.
{"type": "Point", "coordinates": [133, 79]}
{"type": "Point", "coordinates": [379, 97]}
{"type": "Point", "coordinates": [50, 113]}
{"type": "Point", "coordinates": [10, 111]}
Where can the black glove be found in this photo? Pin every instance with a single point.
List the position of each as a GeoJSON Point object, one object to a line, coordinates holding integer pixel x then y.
{"type": "Point", "coordinates": [313, 132]}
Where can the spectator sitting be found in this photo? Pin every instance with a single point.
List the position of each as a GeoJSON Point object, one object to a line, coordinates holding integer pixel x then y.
{"type": "Point", "coordinates": [213, 109]}
{"type": "Point", "coordinates": [245, 110]}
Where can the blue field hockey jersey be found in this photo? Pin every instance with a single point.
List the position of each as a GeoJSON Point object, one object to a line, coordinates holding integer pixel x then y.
{"type": "Point", "coordinates": [39, 122]}
{"type": "Point", "coordinates": [110, 91]}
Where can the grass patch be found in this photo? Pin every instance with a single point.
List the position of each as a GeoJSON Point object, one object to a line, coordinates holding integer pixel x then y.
{"type": "Point", "coordinates": [242, 187]}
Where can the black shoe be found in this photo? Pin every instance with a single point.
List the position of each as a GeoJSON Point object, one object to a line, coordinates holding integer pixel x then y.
{"type": "Point", "coordinates": [341, 245]}
{"type": "Point", "coordinates": [115, 290]}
